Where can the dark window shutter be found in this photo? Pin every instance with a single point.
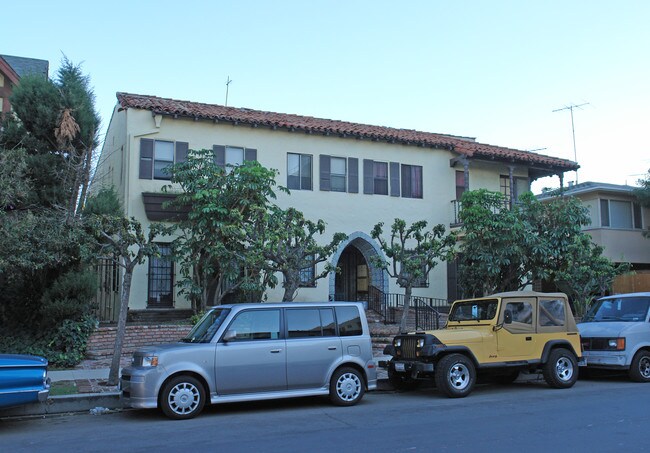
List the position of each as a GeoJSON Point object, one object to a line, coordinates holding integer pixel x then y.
{"type": "Point", "coordinates": [250, 154]}
{"type": "Point", "coordinates": [406, 181]}
{"type": "Point", "coordinates": [394, 179]}
{"type": "Point", "coordinates": [219, 155]}
{"type": "Point", "coordinates": [324, 172]}
{"type": "Point", "coordinates": [146, 158]}
{"type": "Point", "coordinates": [181, 151]}
{"type": "Point", "coordinates": [368, 177]}
{"type": "Point", "coordinates": [353, 175]}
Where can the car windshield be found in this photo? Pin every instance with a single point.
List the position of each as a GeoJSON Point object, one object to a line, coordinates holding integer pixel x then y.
{"type": "Point", "coordinates": [474, 310]}
{"type": "Point", "coordinates": [628, 309]}
{"type": "Point", "coordinates": [205, 329]}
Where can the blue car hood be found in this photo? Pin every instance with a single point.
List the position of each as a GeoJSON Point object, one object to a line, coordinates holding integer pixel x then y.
{"type": "Point", "coordinates": [21, 360]}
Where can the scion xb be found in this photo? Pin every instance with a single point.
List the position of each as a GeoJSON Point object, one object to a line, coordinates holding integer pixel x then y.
{"type": "Point", "coordinates": [246, 352]}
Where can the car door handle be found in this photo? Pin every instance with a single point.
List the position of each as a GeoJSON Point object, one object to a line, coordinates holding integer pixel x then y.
{"type": "Point", "coordinates": [332, 348]}
{"type": "Point", "coordinates": [529, 338]}
{"type": "Point", "coordinates": [275, 351]}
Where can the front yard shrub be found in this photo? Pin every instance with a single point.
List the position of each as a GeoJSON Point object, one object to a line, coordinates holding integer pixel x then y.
{"type": "Point", "coordinates": [63, 346]}
{"type": "Point", "coordinates": [68, 297]}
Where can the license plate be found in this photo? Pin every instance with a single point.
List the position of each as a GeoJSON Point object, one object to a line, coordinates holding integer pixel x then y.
{"type": "Point", "coordinates": [399, 366]}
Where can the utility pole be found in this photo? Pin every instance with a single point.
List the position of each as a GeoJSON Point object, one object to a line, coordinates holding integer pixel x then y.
{"type": "Point", "coordinates": [573, 129]}
{"type": "Point", "coordinates": [227, 86]}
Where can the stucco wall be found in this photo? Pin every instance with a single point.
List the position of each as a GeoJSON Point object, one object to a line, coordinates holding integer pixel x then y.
{"type": "Point", "coordinates": [350, 213]}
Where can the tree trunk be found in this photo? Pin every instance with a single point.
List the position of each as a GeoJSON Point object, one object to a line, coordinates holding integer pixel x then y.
{"type": "Point", "coordinates": [290, 288]}
{"type": "Point", "coordinates": [407, 309]}
{"type": "Point", "coordinates": [113, 375]}
{"type": "Point", "coordinates": [86, 177]}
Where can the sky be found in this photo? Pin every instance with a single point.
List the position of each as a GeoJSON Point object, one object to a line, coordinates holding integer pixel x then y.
{"type": "Point", "coordinates": [494, 70]}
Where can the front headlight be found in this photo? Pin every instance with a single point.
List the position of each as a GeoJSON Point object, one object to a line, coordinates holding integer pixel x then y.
{"type": "Point", "coordinates": [617, 344]}
{"type": "Point", "coordinates": [397, 342]}
{"type": "Point", "coordinates": [420, 342]}
{"type": "Point", "coordinates": [151, 360]}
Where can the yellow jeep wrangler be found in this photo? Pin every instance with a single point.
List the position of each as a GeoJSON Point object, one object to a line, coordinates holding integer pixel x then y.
{"type": "Point", "coordinates": [496, 336]}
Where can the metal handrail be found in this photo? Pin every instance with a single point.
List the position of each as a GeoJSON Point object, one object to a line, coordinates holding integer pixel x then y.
{"type": "Point", "coordinates": [426, 309]}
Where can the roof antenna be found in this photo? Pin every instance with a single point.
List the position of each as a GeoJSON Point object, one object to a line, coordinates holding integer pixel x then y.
{"type": "Point", "coordinates": [227, 86]}
{"type": "Point", "coordinates": [573, 130]}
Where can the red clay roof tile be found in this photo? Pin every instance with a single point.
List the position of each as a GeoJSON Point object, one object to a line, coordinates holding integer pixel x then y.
{"type": "Point", "coordinates": [459, 145]}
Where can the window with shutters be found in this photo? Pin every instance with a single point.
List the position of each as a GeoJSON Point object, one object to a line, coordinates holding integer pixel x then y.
{"type": "Point", "coordinates": [380, 178]}
{"type": "Point", "coordinates": [163, 158]}
{"type": "Point", "coordinates": [299, 171]}
{"type": "Point", "coordinates": [228, 157]}
{"type": "Point", "coordinates": [411, 181]}
{"type": "Point", "coordinates": [338, 174]}
{"type": "Point", "coordinates": [156, 156]}
{"type": "Point", "coordinates": [234, 157]}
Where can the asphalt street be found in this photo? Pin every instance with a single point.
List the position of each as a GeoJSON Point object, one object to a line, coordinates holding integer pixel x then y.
{"type": "Point", "coordinates": [602, 414]}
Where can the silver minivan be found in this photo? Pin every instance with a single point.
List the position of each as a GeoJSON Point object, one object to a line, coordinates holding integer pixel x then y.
{"type": "Point", "coordinates": [246, 352]}
{"type": "Point", "coordinates": [615, 334]}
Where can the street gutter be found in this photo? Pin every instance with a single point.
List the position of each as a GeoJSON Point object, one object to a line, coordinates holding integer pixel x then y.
{"type": "Point", "coordinates": [83, 402]}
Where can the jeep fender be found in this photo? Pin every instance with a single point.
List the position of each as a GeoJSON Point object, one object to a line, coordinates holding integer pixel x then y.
{"type": "Point", "coordinates": [549, 346]}
{"type": "Point", "coordinates": [441, 352]}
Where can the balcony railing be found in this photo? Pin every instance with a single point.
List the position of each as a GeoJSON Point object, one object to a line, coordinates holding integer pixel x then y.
{"type": "Point", "coordinates": [457, 206]}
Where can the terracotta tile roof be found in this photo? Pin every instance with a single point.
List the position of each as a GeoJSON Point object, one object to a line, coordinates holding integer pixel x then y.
{"type": "Point", "coordinates": [462, 146]}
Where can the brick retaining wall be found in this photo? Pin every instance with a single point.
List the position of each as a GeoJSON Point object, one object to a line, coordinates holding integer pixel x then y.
{"type": "Point", "coordinates": [102, 341]}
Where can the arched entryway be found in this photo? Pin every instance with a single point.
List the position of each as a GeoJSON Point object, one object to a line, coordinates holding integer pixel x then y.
{"type": "Point", "coordinates": [358, 271]}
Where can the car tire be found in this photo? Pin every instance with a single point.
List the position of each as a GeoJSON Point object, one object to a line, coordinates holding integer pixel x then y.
{"type": "Point", "coordinates": [183, 397]}
{"type": "Point", "coordinates": [455, 375]}
{"type": "Point", "coordinates": [640, 367]}
{"type": "Point", "coordinates": [561, 369]}
{"type": "Point", "coordinates": [400, 381]}
{"type": "Point", "coordinates": [347, 387]}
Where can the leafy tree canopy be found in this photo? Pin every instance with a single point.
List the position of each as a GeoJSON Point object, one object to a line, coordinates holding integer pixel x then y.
{"type": "Point", "coordinates": [288, 245]}
{"type": "Point", "coordinates": [506, 249]}
{"type": "Point", "coordinates": [411, 252]}
{"type": "Point", "coordinates": [215, 256]}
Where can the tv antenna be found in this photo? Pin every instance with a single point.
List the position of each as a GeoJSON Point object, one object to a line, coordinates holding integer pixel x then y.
{"type": "Point", "coordinates": [227, 86]}
{"type": "Point", "coordinates": [573, 129]}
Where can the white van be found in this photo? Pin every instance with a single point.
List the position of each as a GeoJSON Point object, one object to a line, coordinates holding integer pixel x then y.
{"type": "Point", "coordinates": [615, 334]}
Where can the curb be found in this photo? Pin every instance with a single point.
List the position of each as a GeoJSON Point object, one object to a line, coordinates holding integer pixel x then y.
{"type": "Point", "coordinates": [86, 402]}
{"type": "Point", "coordinates": [70, 403]}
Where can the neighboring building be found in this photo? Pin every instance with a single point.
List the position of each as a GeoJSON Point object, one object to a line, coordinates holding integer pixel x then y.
{"type": "Point", "coordinates": [350, 175]}
{"type": "Point", "coordinates": [11, 71]}
{"type": "Point", "coordinates": [617, 224]}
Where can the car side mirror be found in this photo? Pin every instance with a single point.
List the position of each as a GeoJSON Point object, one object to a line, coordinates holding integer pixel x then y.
{"type": "Point", "coordinates": [229, 335]}
{"type": "Point", "coordinates": [507, 317]}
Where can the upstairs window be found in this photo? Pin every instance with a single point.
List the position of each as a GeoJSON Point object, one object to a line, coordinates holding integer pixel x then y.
{"type": "Point", "coordinates": [234, 157]}
{"type": "Point", "coordinates": [411, 181]}
{"type": "Point", "coordinates": [156, 156]}
{"type": "Point", "coordinates": [460, 184]}
{"type": "Point", "coordinates": [299, 171]}
{"type": "Point", "coordinates": [620, 214]}
{"type": "Point", "coordinates": [380, 178]}
{"type": "Point", "coordinates": [228, 157]}
{"type": "Point", "coordinates": [338, 174]}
